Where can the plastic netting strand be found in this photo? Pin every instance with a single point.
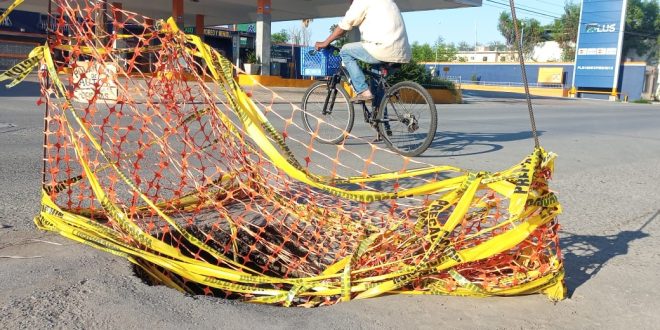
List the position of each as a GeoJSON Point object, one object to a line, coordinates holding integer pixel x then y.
{"type": "Point", "coordinates": [154, 153]}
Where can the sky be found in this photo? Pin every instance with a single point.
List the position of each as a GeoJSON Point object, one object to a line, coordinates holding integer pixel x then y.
{"type": "Point", "coordinates": [453, 25]}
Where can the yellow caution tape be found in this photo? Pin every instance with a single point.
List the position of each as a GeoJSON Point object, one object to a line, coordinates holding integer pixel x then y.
{"type": "Point", "coordinates": [9, 9]}
{"type": "Point", "coordinates": [345, 279]}
{"type": "Point", "coordinates": [19, 71]}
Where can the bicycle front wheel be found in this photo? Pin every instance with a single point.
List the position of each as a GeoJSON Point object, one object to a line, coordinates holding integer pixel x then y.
{"type": "Point", "coordinates": [407, 118]}
{"type": "Point", "coordinates": [327, 115]}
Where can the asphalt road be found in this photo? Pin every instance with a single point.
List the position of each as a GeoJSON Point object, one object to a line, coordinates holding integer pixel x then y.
{"type": "Point", "coordinates": [607, 176]}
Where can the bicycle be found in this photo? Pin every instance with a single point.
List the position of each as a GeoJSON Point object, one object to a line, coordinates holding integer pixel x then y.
{"type": "Point", "coordinates": [410, 103]}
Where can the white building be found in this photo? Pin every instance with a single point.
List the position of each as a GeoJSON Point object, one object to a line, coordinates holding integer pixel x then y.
{"type": "Point", "coordinates": [483, 55]}
{"type": "Point", "coordinates": [548, 51]}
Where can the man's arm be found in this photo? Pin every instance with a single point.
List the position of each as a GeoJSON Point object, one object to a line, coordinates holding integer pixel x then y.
{"type": "Point", "coordinates": [336, 34]}
{"type": "Point", "coordinates": [353, 18]}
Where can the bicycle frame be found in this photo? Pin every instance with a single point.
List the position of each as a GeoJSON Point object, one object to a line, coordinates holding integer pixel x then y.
{"type": "Point", "coordinates": [388, 114]}
{"type": "Point", "coordinates": [379, 85]}
{"type": "Point", "coordinates": [334, 80]}
{"type": "Point", "coordinates": [376, 79]}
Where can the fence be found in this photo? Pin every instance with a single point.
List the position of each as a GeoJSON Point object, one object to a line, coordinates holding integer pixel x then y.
{"type": "Point", "coordinates": [458, 81]}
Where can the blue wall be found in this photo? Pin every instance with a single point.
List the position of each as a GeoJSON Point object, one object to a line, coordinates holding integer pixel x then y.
{"type": "Point", "coordinates": [509, 72]}
{"type": "Point", "coordinates": [631, 79]}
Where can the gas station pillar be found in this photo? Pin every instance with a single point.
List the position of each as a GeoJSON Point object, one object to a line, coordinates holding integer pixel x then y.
{"type": "Point", "coordinates": [262, 42]}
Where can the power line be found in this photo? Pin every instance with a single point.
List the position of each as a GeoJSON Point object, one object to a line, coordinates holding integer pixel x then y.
{"type": "Point", "coordinates": [529, 10]}
{"type": "Point", "coordinates": [493, 6]}
{"type": "Point", "coordinates": [550, 3]}
{"type": "Point", "coordinates": [543, 10]}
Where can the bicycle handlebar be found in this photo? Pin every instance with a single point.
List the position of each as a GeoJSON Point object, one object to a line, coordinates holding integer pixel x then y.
{"type": "Point", "coordinates": [330, 48]}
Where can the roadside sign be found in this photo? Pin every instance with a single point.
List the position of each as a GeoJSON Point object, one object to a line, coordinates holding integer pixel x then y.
{"type": "Point", "coordinates": [598, 51]}
{"type": "Point", "coordinates": [92, 79]}
{"type": "Point", "coordinates": [551, 75]}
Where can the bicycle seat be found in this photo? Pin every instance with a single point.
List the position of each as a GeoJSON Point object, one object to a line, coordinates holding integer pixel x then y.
{"type": "Point", "coordinates": [390, 65]}
{"type": "Point", "coordinates": [387, 68]}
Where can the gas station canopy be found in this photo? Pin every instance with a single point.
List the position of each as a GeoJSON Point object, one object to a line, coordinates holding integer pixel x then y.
{"type": "Point", "coordinates": [217, 12]}
{"type": "Point", "coordinates": [205, 13]}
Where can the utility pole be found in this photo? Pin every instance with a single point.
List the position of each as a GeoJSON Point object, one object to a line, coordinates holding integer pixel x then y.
{"type": "Point", "coordinates": [475, 39]}
{"type": "Point", "coordinates": [437, 45]}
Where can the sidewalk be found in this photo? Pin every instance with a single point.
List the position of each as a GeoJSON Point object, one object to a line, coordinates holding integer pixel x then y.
{"type": "Point", "coordinates": [268, 95]}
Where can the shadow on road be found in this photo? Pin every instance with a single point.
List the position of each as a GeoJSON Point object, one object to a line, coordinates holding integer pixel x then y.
{"type": "Point", "coordinates": [464, 144]}
{"type": "Point", "coordinates": [585, 255]}
{"type": "Point", "coordinates": [25, 88]}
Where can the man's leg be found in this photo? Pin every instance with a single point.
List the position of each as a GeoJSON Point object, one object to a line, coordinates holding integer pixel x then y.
{"type": "Point", "coordinates": [350, 53]}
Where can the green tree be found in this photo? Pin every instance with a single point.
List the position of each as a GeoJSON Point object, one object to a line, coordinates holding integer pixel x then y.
{"type": "Point", "coordinates": [532, 33]}
{"type": "Point", "coordinates": [565, 30]}
{"type": "Point", "coordinates": [531, 30]}
{"type": "Point", "coordinates": [281, 37]}
{"type": "Point", "coordinates": [643, 29]}
{"type": "Point", "coordinates": [418, 73]}
{"type": "Point", "coordinates": [465, 47]}
{"type": "Point", "coordinates": [496, 46]}
{"type": "Point", "coordinates": [444, 52]}
{"type": "Point", "coordinates": [505, 26]}
{"type": "Point", "coordinates": [441, 51]}
{"type": "Point", "coordinates": [422, 53]}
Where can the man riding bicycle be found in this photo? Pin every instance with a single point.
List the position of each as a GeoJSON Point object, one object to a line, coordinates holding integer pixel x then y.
{"type": "Point", "coordinates": [383, 39]}
{"type": "Point", "coordinates": [402, 113]}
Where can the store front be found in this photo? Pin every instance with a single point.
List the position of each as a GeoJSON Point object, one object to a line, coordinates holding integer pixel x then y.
{"type": "Point", "coordinates": [19, 34]}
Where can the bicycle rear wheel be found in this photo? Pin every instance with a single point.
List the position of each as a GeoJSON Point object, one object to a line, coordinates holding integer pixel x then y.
{"type": "Point", "coordinates": [407, 118]}
{"type": "Point", "coordinates": [333, 125]}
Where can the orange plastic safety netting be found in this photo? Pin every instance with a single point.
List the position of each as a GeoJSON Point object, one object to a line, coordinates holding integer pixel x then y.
{"type": "Point", "coordinates": [154, 152]}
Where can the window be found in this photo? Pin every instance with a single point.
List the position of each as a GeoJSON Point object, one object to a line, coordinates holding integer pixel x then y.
{"type": "Point", "coordinates": [485, 59]}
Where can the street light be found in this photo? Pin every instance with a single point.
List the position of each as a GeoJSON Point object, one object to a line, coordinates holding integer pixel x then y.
{"type": "Point", "coordinates": [435, 64]}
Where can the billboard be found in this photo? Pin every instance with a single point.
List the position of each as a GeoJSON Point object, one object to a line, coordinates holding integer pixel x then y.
{"type": "Point", "coordinates": [598, 51]}
{"type": "Point", "coordinates": [250, 28]}
{"type": "Point", "coordinates": [551, 75]}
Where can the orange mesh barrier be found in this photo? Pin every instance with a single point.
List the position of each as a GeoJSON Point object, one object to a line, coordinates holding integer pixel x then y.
{"type": "Point", "coordinates": [154, 153]}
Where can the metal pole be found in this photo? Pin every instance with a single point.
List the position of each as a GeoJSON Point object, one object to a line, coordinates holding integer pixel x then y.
{"type": "Point", "coordinates": [475, 40]}
{"type": "Point", "coordinates": [522, 37]}
{"type": "Point", "coordinates": [47, 111]}
{"type": "Point", "coordinates": [435, 64]}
